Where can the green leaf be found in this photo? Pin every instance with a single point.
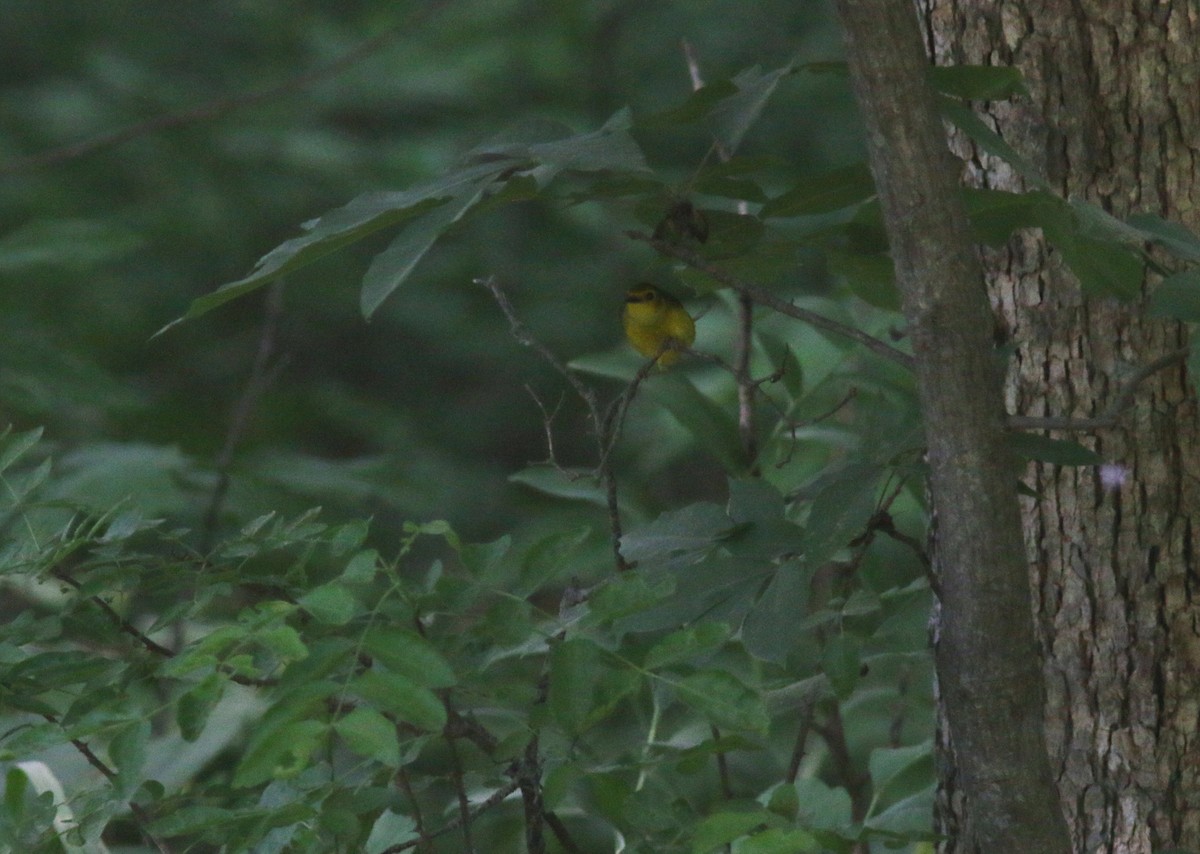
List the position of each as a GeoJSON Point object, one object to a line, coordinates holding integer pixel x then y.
{"type": "Point", "coordinates": [718, 587]}
{"type": "Point", "coordinates": [59, 670]}
{"type": "Point", "coordinates": [771, 629]}
{"type": "Point", "coordinates": [696, 107]}
{"type": "Point", "coordinates": [575, 666]}
{"type": "Point", "coordinates": [996, 214]}
{"type": "Point", "coordinates": [279, 752]}
{"type": "Point", "coordinates": [361, 568]}
{"type": "Point", "coordinates": [1177, 297]}
{"type": "Point", "coordinates": [16, 445]}
{"type": "Point", "coordinates": [735, 114]}
{"type": "Point", "coordinates": [711, 425]}
{"type": "Point", "coordinates": [721, 828]}
{"type": "Point", "coordinates": [390, 829]}
{"type": "Point", "coordinates": [365, 215]}
{"type": "Point", "coordinates": [127, 750]}
{"type": "Point", "coordinates": [370, 734]}
{"type": "Point", "coordinates": [824, 193]}
{"type": "Point", "coordinates": [840, 511]}
{"type": "Point", "coordinates": [282, 640]}
{"type": "Point", "coordinates": [1096, 250]}
{"type": "Point", "coordinates": [330, 603]}
{"type": "Point", "coordinates": [196, 704]}
{"type": "Point", "coordinates": [841, 663]}
{"type": "Point", "coordinates": [392, 266]}
{"type": "Point", "coordinates": [969, 123]}
{"type": "Point", "coordinates": [724, 700]}
{"type": "Point", "coordinates": [572, 484]}
{"type": "Point", "coordinates": [870, 277]}
{"type": "Point", "coordinates": [486, 561]}
{"type": "Point", "coordinates": [730, 235]}
{"type": "Point", "coordinates": [753, 499]}
{"type": "Point", "coordinates": [729, 187]}
{"type": "Point", "coordinates": [1175, 237]}
{"type": "Point", "coordinates": [909, 817]}
{"type": "Point", "coordinates": [822, 806]}
{"type": "Point", "coordinates": [1034, 446]}
{"type": "Point", "coordinates": [687, 644]}
{"type": "Point", "coordinates": [349, 537]}
{"type": "Point", "coordinates": [899, 773]}
{"type": "Point", "coordinates": [191, 819]}
{"type": "Point", "coordinates": [610, 148]}
{"type": "Point", "coordinates": [978, 82]}
{"type": "Point", "coordinates": [627, 594]}
{"type": "Point", "coordinates": [779, 841]}
{"type": "Point", "coordinates": [403, 697]}
{"type": "Point", "coordinates": [691, 528]}
{"type": "Point", "coordinates": [410, 655]}
{"type": "Point", "coordinates": [549, 558]}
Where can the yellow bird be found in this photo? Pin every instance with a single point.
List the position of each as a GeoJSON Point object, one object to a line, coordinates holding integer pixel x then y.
{"type": "Point", "coordinates": [656, 324]}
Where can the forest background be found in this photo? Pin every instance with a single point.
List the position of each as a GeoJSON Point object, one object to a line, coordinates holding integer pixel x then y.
{"type": "Point", "coordinates": [444, 656]}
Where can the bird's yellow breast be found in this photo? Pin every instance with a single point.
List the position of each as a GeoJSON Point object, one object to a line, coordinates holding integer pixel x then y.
{"type": "Point", "coordinates": [654, 321]}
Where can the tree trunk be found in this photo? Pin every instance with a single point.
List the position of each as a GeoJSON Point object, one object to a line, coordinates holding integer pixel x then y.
{"type": "Point", "coordinates": [1114, 118]}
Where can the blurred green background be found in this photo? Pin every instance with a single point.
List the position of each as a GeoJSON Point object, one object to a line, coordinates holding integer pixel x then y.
{"type": "Point", "coordinates": [421, 412]}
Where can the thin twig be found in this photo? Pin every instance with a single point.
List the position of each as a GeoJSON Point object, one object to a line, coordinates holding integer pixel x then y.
{"type": "Point", "coordinates": [492, 799]}
{"type": "Point", "coordinates": [896, 727]}
{"type": "Point", "coordinates": [613, 424]}
{"type": "Point", "coordinates": [856, 783]}
{"type": "Point", "coordinates": [217, 107]}
{"type": "Point", "coordinates": [119, 621]}
{"type": "Point", "coordinates": [458, 726]}
{"type": "Point", "coordinates": [522, 335]}
{"type": "Point", "coordinates": [765, 297]}
{"type": "Point", "coordinates": [722, 764]}
{"type": "Point", "coordinates": [262, 374]}
{"type": "Point", "coordinates": [418, 817]}
{"type": "Point", "coordinates": [85, 751]}
{"type": "Point", "coordinates": [746, 386]}
{"type": "Point", "coordinates": [561, 833]}
{"type": "Point", "coordinates": [464, 807]}
{"type": "Point", "coordinates": [798, 747]}
{"type": "Point", "coordinates": [143, 819]}
{"type": "Point", "coordinates": [548, 426]}
{"type": "Point", "coordinates": [606, 424]}
{"type": "Point", "coordinates": [150, 644]}
{"type": "Point", "coordinates": [744, 342]}
{"type": "Point", "coordinates": [793, 426]}
{"type": "Point", "coordinates": [529, 776]}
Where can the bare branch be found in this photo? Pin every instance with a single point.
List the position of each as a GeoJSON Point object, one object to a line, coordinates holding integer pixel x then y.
{"type": "Point", "coordinates": [606, 424]}
{"type": "Point", "coordinates": [522, 335]}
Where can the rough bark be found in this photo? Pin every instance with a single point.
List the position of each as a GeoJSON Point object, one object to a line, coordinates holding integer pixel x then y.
{"type": "Point", "coordinates": [986, 652]}
{"type": "Point", "coordinates": [1114, 118]}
